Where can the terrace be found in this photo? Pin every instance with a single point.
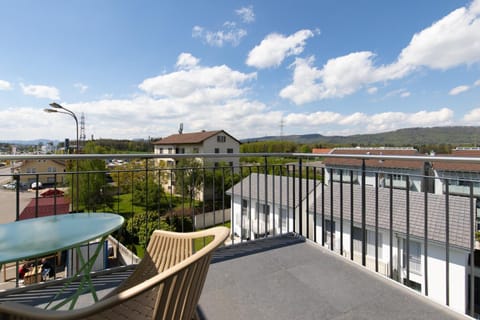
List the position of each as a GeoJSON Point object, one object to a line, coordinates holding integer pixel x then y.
{"type": "Point", "coordinates": [301, 246]}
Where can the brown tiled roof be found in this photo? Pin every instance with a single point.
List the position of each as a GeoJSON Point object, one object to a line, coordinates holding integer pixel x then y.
{"type": "Point", "coordinates": [459, 166]}
{"type": "Point", "coordinates": [375, 163]}
{"type": "Point", "coordinates": [322, 150]}
{"type": "Point", "coordinates": [189, 138]}
{"type": "Point", "coordinates": [46, 207]}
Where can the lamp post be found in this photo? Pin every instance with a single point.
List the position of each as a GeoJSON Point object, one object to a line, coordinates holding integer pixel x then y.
{"type": "Point", "coordinates": [56, 108]}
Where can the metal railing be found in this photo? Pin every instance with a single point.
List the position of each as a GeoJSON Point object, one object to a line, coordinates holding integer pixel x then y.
{"type": "Point", "coordinates": [418, 235]}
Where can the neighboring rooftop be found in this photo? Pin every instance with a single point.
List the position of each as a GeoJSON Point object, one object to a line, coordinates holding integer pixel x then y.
{"type": "Point", "coordinates": [189, 138]}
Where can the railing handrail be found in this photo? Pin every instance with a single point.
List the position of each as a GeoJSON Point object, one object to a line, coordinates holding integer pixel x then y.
{"type": "Point", "coordinates": [426, 158]}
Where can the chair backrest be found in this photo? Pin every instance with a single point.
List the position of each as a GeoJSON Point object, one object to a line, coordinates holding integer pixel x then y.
{"type": "Point", "coordinates": [166, 285]}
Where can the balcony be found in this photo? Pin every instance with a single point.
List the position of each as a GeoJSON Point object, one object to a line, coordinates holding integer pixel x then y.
{"type": "Point", "coordinates": [301, 247]}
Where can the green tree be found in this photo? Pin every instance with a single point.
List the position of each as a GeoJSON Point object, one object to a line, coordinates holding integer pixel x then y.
{"type": "Point", "coordinates": [89, 189]}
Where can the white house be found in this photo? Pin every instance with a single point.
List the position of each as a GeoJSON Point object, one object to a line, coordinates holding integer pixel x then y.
{"type": "Point", "coordinates": [264, 204]}
{"type": "Point", "coordinates": [202, 142]}
{"type": "Point", "coordinates": [398, 170]}
{"type": "Point", "coordinates": [271, 204]}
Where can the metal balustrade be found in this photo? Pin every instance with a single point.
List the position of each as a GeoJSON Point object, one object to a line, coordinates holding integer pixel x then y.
{"type": "Point", "coordinates": [422, 236]}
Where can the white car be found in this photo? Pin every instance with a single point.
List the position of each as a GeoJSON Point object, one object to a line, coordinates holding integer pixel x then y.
{"type": "Point", "coordinates": [9, 186]}
{"type": "Point", "coordinates": [36, 186]}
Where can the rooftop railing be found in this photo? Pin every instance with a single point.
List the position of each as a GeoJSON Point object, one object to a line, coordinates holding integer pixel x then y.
{"type": "Point", "coordinates": [415, 225]}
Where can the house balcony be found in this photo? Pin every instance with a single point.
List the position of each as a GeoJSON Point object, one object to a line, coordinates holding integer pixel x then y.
{"type": "Point", "coordinates": [300, 247]}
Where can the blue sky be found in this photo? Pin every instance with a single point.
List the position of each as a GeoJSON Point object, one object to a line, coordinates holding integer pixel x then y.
{"type": "Point", "coordinates": [137, 69]}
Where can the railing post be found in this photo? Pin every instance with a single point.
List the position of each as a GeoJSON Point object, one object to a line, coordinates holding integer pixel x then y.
{"type": "Point", "coordinates": [266, 208]}
{"type": "Point", "coordinates": [447, 243]}
{"type": "Point", "coordinates": [364, 231]}
{"type": "Point", "coordinates": [472, 252]}
{"type": "Point", "coordinates": [300, 198]}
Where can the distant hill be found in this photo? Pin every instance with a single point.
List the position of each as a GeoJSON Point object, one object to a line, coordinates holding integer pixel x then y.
{"type": "Point", "coordinates": [457, 136]}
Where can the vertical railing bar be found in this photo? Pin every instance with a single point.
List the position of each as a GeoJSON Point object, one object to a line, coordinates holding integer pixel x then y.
{"type": "Point", "coordinates": [223, 195]}
{"type": "Point", "coordinates": [323, 207]}
{"type": "Point", "coordinates": [281, 200]}
{"type": "Point", "coordinates": [376, 221]}
{"type": "Point", "coordinates": [425, 231]}
{"type": "Point", "coordinates": [315, 204]}
{"type": "Point", "coordinates": [266, 208]}
{"type": "Point", "coordinates": [391, 225]}
{"type": "Point", "coordinates": [54, 194]}
{"type": "Point", "coordinates": [288, 199]}
{"type": "Point", "coordinates": [407, 208]}
{"type": "Point", "coordinates": [447, 243]}
{"type": "Point", "coordinates": [300, 197]}
{"type": "Point", "coordinates": [146, 204]}
{"type": "Point", "coordinates": [307, 198]}
{"type": "Point", "coordinates": [37, 177]}
{"type": "Point", "coordinates": [250, 202]}
{"type": "Point", "coordinates": [214, 172]}
{"type": "Point", "coordinates": [294, 200]}
{"type": "Point", "coordinates": [472, 252]}
{"type": "Point", "coordinates": [241, 207]}
{"type": "Point", "coordinates": [273, 200]}
{"type": "Point", "coordinates": [258, 200]}
{"type": "Point", "coordinates": [331, 211]}
{"type": "Point", "coordinates": [364, 230]}
{"type": "Point", "coordinates": [341, 211]}
{"type": "Point", "coordinates": [232, 207]}
{"type": "Point", "coordinates": [351, 216]}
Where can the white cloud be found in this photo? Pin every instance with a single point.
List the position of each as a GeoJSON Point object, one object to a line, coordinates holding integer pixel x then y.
{"type": "Point", "coordinates": [458, 90]}
{"type": "Point", "coordinates": [334, 123]}
{"type": "Point", "coordinates": [81, 87]}
{"type": "Point", "coordinates": [453, 40]}
{"type": "Point", "coordinates": [477, 83]}
{"type": "Point", "coordinates": [372, 90]}
{"type": "Point", "coordinates": [276, 47]}
{"type": "Point", "coordinates": [230, 33]}
{"type": "Point", "coordinates": [41, 91]}
{"type": "Point", "coordinates": [473, 116]}
{"type": "Point", "coordinates": [5, 85]}
{"type": "Point", "coordinates": [198, 85]}
{"type": "Point", "coordinates": [186, 61]}
{"type": "Point", "coordinates": [246, 14]}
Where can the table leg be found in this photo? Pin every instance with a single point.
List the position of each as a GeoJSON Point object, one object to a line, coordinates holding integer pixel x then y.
{"type": "Point", "coordinates": [85, 270]}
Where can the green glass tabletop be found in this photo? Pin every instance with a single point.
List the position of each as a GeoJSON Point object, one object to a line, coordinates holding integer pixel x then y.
{"type": "Point", "coordinates": [40, 236]}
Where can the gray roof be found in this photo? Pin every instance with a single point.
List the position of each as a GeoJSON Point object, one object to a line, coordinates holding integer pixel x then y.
{"type": "Point", "coordinates": [279, 188]}
{"type": "Point", "coordinates": [459, 212]}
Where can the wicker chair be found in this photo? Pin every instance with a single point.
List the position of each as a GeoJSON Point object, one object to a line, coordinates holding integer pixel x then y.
{"type": "Point", "coordinates": [165, 285]}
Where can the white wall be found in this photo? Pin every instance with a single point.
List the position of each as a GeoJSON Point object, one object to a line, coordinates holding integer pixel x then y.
{"type": "Point", "coordinates": [436, 263]}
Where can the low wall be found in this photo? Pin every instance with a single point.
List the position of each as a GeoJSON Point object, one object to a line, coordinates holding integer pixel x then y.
{"type": "Point", "coordinates": [209, 219]}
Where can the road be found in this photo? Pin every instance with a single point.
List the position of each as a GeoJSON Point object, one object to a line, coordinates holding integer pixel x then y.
{"type": "Point", "coordinates": [8, 201]}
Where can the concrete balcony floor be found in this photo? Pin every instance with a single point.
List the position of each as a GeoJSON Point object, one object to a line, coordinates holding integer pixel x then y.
{"type": "Point", "coordinates": [280, 278]}
{"type": "Point", "coordinates": [288, 278]}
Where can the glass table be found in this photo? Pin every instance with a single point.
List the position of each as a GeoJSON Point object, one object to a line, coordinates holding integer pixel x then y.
{"type": "Point", "coordinates": [27, 239]}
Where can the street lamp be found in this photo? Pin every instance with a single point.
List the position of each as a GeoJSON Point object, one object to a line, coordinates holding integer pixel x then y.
{"type": "Point", "coordinates": [56, 108]}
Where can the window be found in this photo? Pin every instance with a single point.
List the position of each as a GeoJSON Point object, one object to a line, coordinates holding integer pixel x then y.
{"type": "Point", "coordinates": [31, 170]}
{"type": "Point", "coordinates": [221, 138]}
{"type": "Point", "coordinates": [170, 150]}
{"type": "Point", "coordinates": [230, 150]}
{"type": "Point", "coordinates": [160, 150]}
{"type": "Point", "coordinates": [414, 256]}
{"type": "Point", "coordinates": [179, 150]}
{"type": "Point", "coordinates": [195, 150]}
{"type": "Point", "coordinates": [357, 242]}
{"type": "Point", "coordinates": [217, 150]}
{"type": "Point", "coordinates": [52, 169]}
{"type": "Point", "coordinates": [230, 163]}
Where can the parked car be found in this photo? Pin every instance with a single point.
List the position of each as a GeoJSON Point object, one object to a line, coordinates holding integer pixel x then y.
{"type": "Point", "coordinates": [9, 186]}
{"type": "Point", "coordinates": [36, 185]}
